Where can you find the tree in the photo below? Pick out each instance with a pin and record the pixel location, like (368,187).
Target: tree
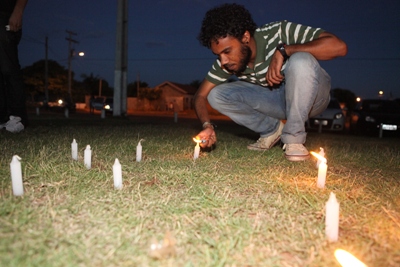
(133,88)
(345,96)
(94,85)
(34,76)
(196,84)
(150,93)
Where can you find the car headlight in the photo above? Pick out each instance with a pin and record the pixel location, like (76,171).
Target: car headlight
(338,115)
(107,107)
(369,119)
(60,101)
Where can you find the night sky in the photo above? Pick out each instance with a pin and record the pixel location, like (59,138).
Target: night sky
(163,44)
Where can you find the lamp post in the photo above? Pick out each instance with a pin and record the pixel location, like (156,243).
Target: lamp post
(70,55)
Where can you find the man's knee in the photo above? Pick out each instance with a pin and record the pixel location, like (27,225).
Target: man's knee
(217,96)
(301,62)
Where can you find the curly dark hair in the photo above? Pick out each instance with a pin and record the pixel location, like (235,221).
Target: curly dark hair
(227,19)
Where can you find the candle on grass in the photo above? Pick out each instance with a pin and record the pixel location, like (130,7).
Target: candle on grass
(322,169)
(197,147)
(88,157)
(322,154)
(139,151)
(346,259)
(74,150)
(16,176)
(117,173)
(332,218)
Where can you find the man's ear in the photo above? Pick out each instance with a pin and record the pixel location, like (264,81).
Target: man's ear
(246,37)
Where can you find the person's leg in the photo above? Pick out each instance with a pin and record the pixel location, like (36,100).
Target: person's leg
(3,106)
(253,106)
(12,76)
(307,93)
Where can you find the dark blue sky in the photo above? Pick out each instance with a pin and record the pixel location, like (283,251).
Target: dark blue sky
(163,44)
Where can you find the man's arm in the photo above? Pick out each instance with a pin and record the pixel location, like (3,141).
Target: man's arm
(200,106)
(200,101)
(15,20)
(326,46)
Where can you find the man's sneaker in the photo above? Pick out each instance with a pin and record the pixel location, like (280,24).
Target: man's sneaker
(14,125)
(296,152)
(265,143)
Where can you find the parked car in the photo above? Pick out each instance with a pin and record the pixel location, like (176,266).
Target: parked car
(332,119)
(109,104)
(60,104)
(98,103)
(371,115)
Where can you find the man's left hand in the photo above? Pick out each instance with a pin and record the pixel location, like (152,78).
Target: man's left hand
(274,75)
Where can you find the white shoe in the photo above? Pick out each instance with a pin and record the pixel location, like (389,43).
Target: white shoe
(296,152)
(14,125)
(265,143)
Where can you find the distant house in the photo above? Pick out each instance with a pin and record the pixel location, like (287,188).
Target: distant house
(175,96)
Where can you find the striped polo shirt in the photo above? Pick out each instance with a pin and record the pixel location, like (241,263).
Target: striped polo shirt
(267,38)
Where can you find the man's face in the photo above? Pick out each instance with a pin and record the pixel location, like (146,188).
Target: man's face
(233,54)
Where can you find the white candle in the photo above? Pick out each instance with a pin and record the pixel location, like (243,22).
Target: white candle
(322,174)
(196,151)
(74,148)
(346,259)
(88,157)
(332,218)
(322,154)
(322,169)
(139,151)
(117,172)
(16,176)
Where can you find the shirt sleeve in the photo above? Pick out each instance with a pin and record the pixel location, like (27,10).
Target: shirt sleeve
(292,33)
(217,74)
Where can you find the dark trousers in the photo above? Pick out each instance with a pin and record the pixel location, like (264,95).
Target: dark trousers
(12,95)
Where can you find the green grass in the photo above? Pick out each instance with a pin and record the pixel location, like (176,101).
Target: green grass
(230,207)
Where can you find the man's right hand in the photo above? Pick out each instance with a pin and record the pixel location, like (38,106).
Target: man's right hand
(208,134)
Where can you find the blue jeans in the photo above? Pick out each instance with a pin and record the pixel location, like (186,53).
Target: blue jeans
(304,93)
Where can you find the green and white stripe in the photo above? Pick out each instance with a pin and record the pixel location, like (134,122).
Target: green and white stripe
(267,38)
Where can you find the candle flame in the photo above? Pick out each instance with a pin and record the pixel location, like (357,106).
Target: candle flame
(346,259)
(318,156)
(197,139)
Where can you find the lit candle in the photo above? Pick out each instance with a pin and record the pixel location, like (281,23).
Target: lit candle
(117,172)
(74,148)
(346,259)
(332,218)
(139,151)
(322,169)
(88,157)
(196,148)
(322,154)
(16,176)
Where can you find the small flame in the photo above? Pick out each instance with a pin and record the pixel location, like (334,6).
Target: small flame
(346,259)
(318,156)
(197,139)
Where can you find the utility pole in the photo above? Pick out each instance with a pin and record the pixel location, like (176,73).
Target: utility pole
(70,55)
(46,72)
(121,60)
(138,85)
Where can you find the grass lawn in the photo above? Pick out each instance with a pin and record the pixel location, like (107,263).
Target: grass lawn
(230,207)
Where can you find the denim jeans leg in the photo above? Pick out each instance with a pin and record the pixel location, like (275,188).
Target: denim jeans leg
(250,105)
(307,93)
